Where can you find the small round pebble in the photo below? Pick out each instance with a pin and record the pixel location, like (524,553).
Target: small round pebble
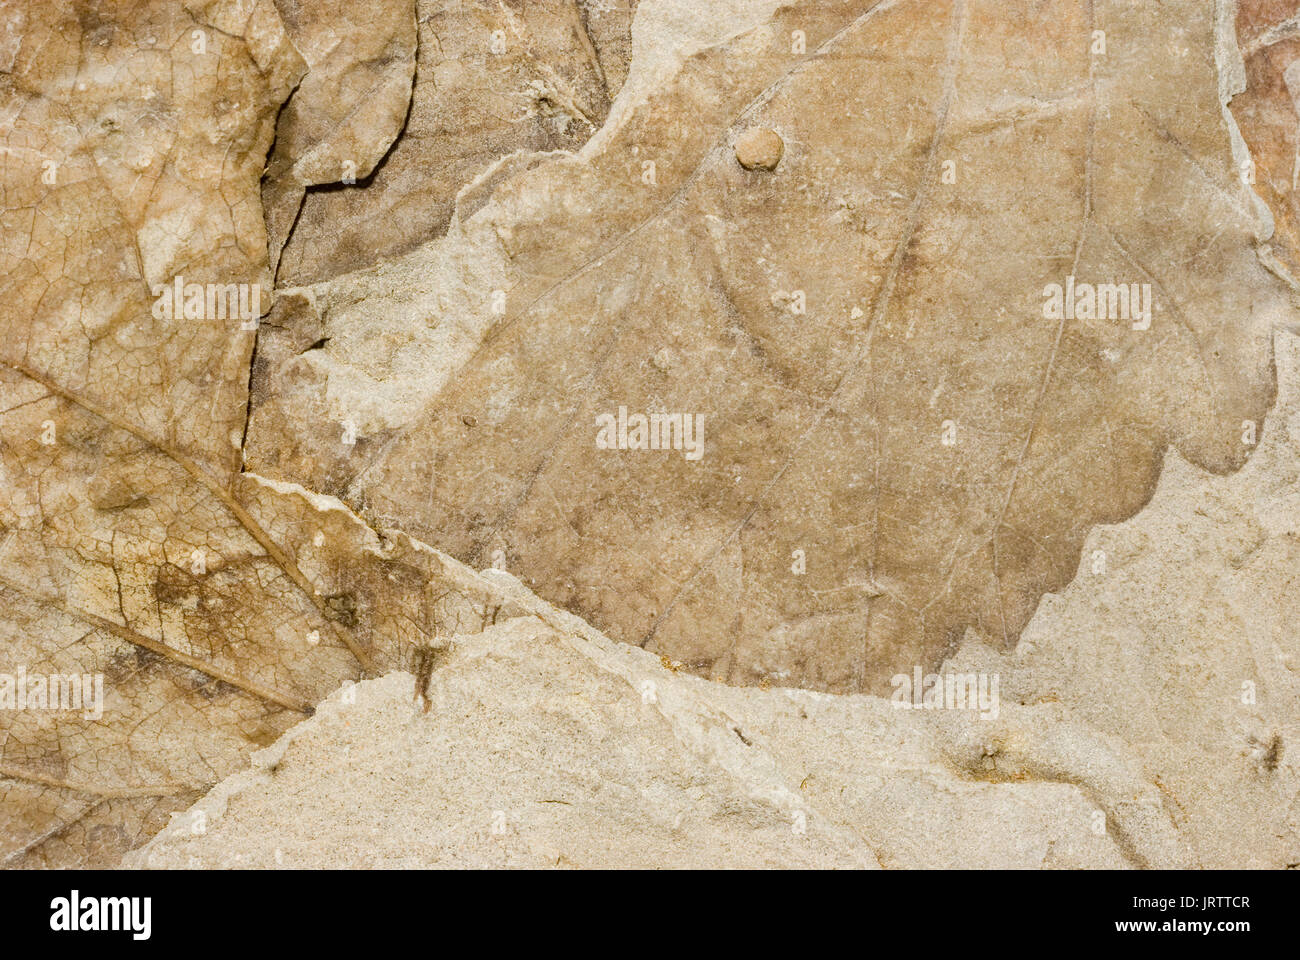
(759,148)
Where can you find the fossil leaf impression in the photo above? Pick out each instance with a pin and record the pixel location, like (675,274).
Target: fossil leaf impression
(1005,259)
(162,612)
(795,352)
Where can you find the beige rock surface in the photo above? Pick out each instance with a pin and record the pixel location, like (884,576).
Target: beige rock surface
(134,137)
(349,107)
(902,438)
(1134,730)
(490,78)
(260,425)
(549,750)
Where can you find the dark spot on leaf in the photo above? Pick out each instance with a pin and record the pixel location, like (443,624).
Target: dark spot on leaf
(342,608)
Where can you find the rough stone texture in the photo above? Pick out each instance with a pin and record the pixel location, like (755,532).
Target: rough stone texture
(862,331)
(1177,638)
(543,749)
(134,136)
(348,109)
(1268,33)
(219,607)
(906,463)
(547,745)
(490,78)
